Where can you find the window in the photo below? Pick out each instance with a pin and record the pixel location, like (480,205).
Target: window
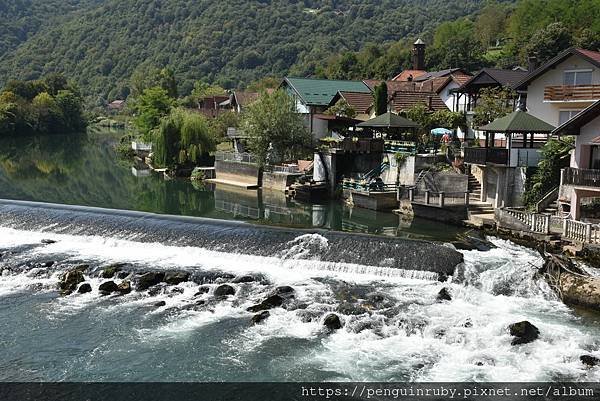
(566,115)
(581,77)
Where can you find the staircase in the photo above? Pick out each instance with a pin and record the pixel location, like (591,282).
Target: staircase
(480,213)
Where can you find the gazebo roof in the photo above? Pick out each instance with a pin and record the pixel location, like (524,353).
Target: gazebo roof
(389,120)
(518,121)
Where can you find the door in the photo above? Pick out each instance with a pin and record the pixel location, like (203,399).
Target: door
(595,157)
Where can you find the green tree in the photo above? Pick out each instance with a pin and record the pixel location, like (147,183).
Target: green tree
(455,45)
(218,126)
(168,82)
(152,105)
(48,115)
(491,24)
(492,104)
(555,155)
(275,131)
(71,107)
(380,99)
(203,89)
(341,108)
(548,42)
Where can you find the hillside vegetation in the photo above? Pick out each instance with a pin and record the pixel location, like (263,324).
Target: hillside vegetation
(101,43)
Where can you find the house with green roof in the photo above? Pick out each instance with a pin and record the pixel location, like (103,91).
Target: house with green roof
(313,96)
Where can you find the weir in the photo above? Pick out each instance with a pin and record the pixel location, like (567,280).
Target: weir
(231,237)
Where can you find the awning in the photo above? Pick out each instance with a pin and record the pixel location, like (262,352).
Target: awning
(518,121)
(441,131)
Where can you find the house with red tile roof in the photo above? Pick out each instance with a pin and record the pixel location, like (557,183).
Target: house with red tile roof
(562,87)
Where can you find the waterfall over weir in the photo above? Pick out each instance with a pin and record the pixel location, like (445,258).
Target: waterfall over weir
(335,251)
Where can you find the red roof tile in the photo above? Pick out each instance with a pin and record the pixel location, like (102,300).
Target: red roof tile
(360,102)
(406,74)
(402,100)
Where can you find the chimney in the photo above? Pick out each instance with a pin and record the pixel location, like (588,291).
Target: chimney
(418,55)
(532,63)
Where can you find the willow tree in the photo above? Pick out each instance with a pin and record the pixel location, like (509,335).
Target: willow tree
(276,132)
(182,137)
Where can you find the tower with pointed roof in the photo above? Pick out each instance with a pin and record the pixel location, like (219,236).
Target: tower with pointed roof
(418,55)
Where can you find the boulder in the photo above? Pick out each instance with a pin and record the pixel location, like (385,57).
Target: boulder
(260,317)
(147,280)
(48,241)
(108,287)
(124,287)
(589,360)
(69,280)
(332,322)
(444,295)
(122,275)
(270,302)
(84,288)
(204,277)
(284,291)
(160,303)
(524,332)
(243,279)
(110,271)
(223,290)
(175,278)
(203,289)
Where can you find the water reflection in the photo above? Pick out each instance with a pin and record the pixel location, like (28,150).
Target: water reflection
(85,170)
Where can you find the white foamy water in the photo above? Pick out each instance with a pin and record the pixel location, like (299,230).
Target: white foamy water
(409,336)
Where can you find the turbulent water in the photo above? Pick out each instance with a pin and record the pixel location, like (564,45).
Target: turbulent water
(394,329)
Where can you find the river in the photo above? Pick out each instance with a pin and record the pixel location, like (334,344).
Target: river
(381,286)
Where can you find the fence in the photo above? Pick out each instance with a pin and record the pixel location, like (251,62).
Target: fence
(282,169)
(235,157)
(368,187)
(546,224)
(433,198)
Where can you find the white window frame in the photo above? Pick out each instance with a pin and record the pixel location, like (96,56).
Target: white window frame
(590,70)
(573,113)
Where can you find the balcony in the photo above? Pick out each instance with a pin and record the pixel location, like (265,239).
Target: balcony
(581,177)
(571,93)
(484,156)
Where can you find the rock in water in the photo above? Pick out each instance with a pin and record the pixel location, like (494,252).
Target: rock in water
(84,288)
(48,241)
(175,278)
(108,287)
(270,302)
(284,291)
(589,360)
(260,317)
(444,295)
(524,332)
(224,290)
(124,287)
(109,272)
(147,280)
(160,303)
(332,322)
(243,279)
(69,281)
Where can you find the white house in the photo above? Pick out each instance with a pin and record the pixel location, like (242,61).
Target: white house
(563,86)
(580,183)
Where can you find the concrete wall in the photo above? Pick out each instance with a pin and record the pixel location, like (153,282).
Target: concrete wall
(503,186)
(278,181)
(581,157)
(449,214)
(243,173)
(375,201)
(549,112)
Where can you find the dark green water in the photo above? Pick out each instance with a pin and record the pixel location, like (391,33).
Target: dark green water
(86,170)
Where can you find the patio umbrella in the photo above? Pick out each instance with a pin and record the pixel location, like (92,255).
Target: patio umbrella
(441,131)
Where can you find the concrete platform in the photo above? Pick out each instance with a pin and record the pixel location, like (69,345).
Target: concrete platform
(238,184)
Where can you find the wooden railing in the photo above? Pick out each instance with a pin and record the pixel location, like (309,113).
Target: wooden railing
(486,155)
(571,92)
(357,145)
(581,177)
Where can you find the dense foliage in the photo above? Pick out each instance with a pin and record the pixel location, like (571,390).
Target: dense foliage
(47,106)
(103,43)
(544,178)
(380,99)
(276,133)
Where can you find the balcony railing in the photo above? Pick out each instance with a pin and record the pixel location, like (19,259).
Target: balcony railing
(356,145)
(486,155)
(581,177)
(571,93)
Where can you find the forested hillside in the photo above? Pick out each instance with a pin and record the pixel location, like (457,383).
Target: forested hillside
(21,19)
(231,43)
